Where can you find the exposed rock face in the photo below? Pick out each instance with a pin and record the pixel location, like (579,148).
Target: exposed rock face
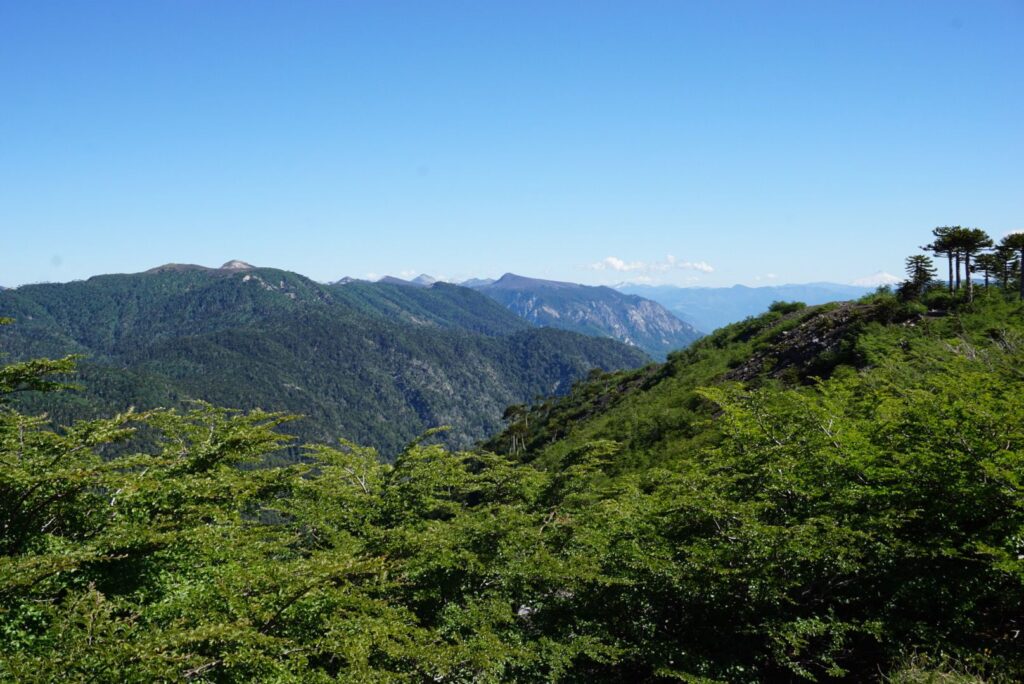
(597,311)
(236,265)
(811,345)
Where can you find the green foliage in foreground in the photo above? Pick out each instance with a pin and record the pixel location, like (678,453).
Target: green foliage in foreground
(863,524)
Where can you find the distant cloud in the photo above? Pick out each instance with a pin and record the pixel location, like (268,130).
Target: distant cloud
(670,263)
(766,276)
(877,279)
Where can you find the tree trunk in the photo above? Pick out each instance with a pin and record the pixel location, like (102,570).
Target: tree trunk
(949,257)
(1021,274)
(986,279)
(958,271)
(967,275)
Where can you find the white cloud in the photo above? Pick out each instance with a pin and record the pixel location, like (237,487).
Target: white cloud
(670,263)
(616,264)
(766,276)
(876,279)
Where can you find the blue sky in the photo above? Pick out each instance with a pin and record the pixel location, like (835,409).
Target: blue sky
(682,142)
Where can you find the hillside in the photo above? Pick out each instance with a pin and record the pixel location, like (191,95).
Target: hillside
(819,493)
(826,493)
(597,311)
(710,308)
(376,363)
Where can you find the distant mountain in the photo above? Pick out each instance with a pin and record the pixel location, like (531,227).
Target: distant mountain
(876,279)
(392,280)
(597,311)
(233,265)
(477,282)
(710,308)
(377,363)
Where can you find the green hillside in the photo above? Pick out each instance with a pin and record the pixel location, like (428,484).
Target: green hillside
(830,493)
(375,363)
(826,493)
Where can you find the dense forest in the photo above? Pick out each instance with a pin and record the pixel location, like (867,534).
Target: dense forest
(375,362)
(819,493)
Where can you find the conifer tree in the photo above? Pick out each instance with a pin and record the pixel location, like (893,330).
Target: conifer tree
(968,242)
(920,272)
(1007,265)
(1015,242)
(942,245)
(989,264)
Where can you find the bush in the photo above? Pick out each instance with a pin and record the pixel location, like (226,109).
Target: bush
(786,307)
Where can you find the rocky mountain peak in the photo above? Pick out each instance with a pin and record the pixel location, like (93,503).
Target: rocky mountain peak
(236,265)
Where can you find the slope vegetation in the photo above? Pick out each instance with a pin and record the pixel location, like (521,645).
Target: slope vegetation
(375,363)
(817,494)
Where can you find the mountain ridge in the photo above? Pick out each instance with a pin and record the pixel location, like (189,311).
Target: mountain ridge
(373,362)
(593,310)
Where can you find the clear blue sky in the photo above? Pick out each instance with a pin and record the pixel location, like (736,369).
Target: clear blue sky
(800,140)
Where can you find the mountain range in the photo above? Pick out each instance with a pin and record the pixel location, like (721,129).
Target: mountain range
(710,308)
(585,309)
(599,311)
(377,363)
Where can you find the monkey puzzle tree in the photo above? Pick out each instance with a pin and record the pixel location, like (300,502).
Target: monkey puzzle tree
(920,272)
(968,242)
(1007,270)
(941,246)
(1015,242)
(990,264)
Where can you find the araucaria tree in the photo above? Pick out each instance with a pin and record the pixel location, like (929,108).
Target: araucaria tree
(1007,265)
(942,245)
(920,273)
(990,264)
(968,242)
(1015,242)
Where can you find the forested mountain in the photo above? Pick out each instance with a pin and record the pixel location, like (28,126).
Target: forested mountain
(826,493)
(709,308)
(598,311)
(372,362)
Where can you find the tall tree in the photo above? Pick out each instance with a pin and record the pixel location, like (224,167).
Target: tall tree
(1015,242)
(990,264)
(941,246)
(920,272)
(1007,259)
(968,242)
